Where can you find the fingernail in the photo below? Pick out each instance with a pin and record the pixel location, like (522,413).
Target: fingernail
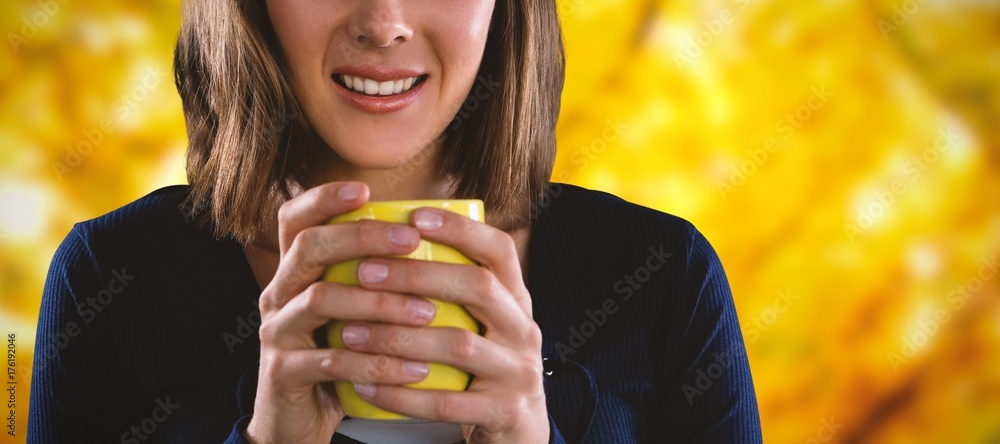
(417,369)
(355,334)
(350,191)
(427,220)
(421,309)
(364,390)
(402,235)
(372,272)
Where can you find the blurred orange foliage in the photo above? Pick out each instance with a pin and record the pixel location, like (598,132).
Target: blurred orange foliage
(842,157)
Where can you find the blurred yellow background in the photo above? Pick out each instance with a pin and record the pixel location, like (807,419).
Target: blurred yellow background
(842,157)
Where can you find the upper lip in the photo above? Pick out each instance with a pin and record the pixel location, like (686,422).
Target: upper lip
(378,73)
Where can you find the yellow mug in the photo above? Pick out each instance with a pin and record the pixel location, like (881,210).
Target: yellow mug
(441,376)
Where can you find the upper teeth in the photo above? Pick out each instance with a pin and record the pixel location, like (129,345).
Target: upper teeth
(372,87)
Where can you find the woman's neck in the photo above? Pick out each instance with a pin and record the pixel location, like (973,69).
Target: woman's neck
(417,178)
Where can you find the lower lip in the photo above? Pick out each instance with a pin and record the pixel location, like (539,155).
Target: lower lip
(379,104)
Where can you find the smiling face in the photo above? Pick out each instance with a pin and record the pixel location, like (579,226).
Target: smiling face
(380,80)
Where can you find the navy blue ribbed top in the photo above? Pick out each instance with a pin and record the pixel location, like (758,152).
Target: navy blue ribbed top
(147,330)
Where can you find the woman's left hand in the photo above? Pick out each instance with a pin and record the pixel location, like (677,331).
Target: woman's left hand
(506,400)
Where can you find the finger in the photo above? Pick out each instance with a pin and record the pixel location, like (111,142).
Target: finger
(459,348)
(294,369)
(316,248)
(324,301)
(487,245)
(315,206)
(475,288)
(438,405)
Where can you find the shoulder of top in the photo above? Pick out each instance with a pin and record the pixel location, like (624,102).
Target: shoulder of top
(160,211)
(612,221)
(604,207)
(594,214)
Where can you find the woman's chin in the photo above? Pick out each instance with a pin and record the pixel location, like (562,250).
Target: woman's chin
(382,149)
(382,158)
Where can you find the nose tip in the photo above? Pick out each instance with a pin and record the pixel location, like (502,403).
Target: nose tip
(384,38)
(382,27)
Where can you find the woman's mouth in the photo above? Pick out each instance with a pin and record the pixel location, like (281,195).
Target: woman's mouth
(376,97)
(374,88)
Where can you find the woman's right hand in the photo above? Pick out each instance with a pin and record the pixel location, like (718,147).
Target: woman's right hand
(294,401)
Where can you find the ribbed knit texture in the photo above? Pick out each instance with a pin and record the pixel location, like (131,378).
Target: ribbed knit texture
(147,329)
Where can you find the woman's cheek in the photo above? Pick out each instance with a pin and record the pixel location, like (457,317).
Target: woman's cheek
(465,21)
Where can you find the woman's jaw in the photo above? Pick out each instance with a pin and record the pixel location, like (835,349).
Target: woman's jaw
(415,177)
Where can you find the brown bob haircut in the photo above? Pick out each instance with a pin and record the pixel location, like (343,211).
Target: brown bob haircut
(245,126)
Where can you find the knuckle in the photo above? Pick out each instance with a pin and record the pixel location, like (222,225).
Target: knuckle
(507,242)
(485,284)
(533,336)
(305,239)
(392,340)
(370,234)
(327,192)
(452,290)
(285,212)
(275,368)
(502,415)
(311,299)
(376,369)
(270,367)
(464,345)
(404,338)
(385,369)
(383,304)
(331,363)
(406,271)
(446,407)
(267,302)
(466,230)
(267,332)
(530,373)
(389,402)
(311,246)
